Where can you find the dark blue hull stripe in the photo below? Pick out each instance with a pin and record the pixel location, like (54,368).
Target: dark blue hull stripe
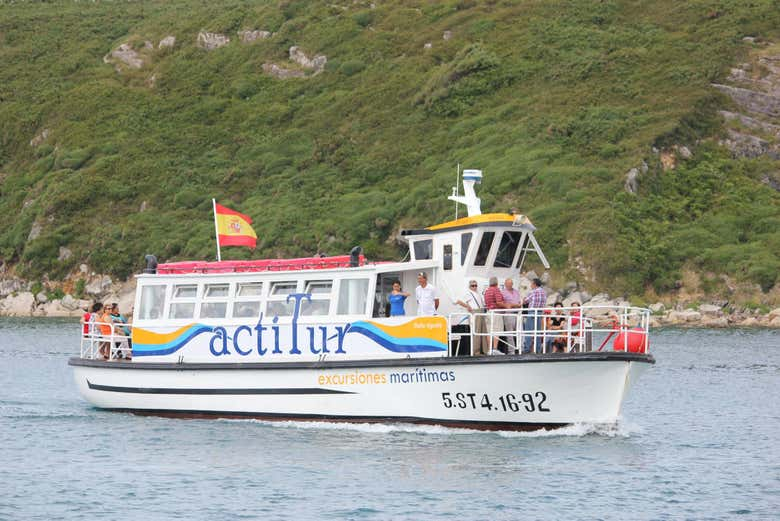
(176,390)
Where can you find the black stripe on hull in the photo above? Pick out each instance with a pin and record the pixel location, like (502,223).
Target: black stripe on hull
(267,416)
(174,390)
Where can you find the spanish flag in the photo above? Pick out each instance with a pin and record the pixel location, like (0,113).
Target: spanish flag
(233,228)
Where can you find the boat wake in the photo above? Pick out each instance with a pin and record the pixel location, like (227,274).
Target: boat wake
(612,430)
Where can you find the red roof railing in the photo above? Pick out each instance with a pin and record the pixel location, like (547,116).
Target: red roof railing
(251,266)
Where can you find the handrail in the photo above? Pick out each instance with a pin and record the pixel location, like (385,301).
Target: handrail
(114,346)
(582,327)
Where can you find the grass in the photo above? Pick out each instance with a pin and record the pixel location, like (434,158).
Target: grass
(555,101)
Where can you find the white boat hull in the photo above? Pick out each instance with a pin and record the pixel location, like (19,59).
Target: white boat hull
(506,393)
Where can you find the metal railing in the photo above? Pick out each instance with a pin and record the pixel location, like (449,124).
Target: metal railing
(550,329)
(95,344)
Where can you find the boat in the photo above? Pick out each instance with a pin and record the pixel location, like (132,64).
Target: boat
(311,339)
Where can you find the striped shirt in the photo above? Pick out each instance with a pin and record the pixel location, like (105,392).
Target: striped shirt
(493,297)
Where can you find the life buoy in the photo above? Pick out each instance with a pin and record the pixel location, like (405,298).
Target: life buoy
(634,339)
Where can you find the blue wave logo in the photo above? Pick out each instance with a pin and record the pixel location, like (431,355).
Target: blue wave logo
(173,345)
(394,344)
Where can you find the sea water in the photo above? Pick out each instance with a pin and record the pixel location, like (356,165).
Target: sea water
(698,440)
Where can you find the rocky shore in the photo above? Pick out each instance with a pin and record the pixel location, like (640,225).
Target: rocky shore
(17,299)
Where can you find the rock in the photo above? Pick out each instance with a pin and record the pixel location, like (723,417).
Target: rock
(10,286)
(41,297)
(251,36)
(523,285)
(545,278)
(167,42)
(552,298)
(65,254)
(142,208)
(428,46)
(749,322)
(668,161)
(447,35)
(774,313)
(99,285)
(571,286)
(278,72)
(687,315)
(752,100)
(71,304)
(574,296)
(751,123)
(317,62)
(632,181)
(715,322)
(709,309)
(126,55)
(658,307)
(35,232)
(20,305)
(749,39)
(40,138)
(744,145)
(83,268)
(211,41)
(684,152)
(775,322)
(531,275)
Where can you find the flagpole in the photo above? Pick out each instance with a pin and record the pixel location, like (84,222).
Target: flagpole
(216,228)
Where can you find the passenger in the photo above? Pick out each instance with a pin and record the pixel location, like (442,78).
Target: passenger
(105,326)
(472,300)
(125,345)
(397,299)
(556,322)
(494,300)
(574,325)
(85,318)
(512,301)
(533,321)
(427,296)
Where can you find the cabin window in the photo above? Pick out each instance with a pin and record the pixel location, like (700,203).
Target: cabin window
(185,291)
(216,290)
(183,301)
(250,289)
(447,257)
(278,304)
(152,300)
(319,302)
(353,294)
(214,303)
(523,252)
(507,249)
(484,248)
(247,302)
(423,249)
(465,242)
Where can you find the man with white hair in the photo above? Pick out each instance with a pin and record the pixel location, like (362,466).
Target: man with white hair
(427,296)
(512,300)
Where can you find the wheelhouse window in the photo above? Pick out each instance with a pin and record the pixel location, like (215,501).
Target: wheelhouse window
(484,248)
(320,296)
(278,305)
(507,249)
(353,295)
(183,301)
(423,250)
(465,242)
(248,298)
(152,301)
(447,257)
(214,303)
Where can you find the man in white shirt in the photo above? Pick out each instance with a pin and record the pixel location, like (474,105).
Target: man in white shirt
(427,296)
(474,302)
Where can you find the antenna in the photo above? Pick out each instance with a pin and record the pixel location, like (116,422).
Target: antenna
(469,198)
(455,192)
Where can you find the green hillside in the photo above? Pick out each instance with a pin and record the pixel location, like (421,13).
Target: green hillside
(555,101)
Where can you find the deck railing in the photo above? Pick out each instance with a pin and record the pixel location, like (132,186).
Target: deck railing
(114,346)
(578,329)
